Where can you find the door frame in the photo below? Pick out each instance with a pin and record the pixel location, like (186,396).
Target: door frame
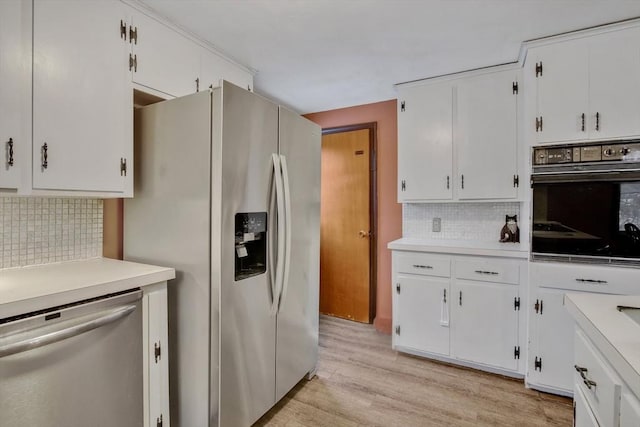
(373,205)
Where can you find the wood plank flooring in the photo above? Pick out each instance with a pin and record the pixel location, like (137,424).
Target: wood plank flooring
(361,381)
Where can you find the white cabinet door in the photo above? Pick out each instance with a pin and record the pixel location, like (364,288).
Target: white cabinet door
(582,414)
(486,136)
(629,410)
(562,90)
(425,143)
(485,323)
(614,84)
(82,98)
(157,378)
(12,94)
(551,341)
(166,61)
(214,68)
(422,314)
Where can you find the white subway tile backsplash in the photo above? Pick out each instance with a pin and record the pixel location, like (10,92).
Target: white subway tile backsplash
(459,221)
(38,230)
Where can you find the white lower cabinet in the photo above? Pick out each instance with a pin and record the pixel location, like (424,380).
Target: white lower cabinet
(629,410)
(423,314)
(461,309)
(156,356)
(582,415)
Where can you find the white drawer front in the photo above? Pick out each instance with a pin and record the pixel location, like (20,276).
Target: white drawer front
(488,271)
(586,278)
(424,264)
(595,378)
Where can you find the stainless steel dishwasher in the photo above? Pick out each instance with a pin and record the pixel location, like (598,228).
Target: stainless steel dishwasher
(78,365)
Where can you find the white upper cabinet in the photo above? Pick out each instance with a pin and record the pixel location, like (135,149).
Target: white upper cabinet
(214,68)
(486,136)
(12,95)
(425,142)
(587,88)
(162,59)
(82,98)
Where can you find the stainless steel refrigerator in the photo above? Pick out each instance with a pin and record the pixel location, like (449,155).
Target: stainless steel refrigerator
(227,191)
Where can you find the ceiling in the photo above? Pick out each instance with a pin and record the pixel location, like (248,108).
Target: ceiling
(317,55)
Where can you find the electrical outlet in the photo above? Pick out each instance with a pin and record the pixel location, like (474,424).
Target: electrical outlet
(437,225)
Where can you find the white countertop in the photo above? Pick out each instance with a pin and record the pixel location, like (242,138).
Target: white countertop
(462,247)
(27,289)
(614,333)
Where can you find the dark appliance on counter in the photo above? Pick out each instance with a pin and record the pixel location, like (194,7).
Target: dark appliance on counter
(586,203)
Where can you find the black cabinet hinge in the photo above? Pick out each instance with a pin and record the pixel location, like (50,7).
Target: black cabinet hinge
(123,30)
(402,105)
(516,352)
(123,166)
(537,364)
(159,421)
(197,84)
(133,35)
(539,124)
(398,288)
(516,181)
(157,351)
(516,303)
(515,88)
(403,185)
(398,330)
(538,69)
(10,152)
(133,63)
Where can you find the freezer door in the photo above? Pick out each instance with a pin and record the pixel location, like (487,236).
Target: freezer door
(245,138)
(297,319)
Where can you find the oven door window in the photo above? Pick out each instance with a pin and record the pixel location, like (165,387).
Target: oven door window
(587,218)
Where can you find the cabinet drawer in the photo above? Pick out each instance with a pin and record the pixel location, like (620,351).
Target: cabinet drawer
(488,271)
(597,381)
(585,278)
(424,264)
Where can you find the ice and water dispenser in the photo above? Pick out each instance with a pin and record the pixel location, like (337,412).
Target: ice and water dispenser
(251,244)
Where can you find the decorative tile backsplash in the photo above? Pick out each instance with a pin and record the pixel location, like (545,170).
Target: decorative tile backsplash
(459,221)
(38,230)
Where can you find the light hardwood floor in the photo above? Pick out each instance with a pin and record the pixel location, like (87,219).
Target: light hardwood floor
(361,381)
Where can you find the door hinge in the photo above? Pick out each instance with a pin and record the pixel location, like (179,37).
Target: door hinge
(538,306)
(159,421)
(515,88)
(537,364)
(516,303)
(123,30)
(539,124)
(398,330)
(157,351)
(516,352)
(516,181)
(403,185)
(402,105)
(133,34)
(398,287)
(133,63)
(123,166)
(538,69)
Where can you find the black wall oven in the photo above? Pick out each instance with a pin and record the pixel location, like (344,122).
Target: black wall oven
(586,203)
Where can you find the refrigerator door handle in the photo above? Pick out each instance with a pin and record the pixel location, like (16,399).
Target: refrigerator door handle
(287,223)
(276,285)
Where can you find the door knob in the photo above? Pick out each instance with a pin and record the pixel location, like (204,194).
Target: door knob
(363,233)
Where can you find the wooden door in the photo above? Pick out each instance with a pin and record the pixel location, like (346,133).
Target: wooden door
(345,225)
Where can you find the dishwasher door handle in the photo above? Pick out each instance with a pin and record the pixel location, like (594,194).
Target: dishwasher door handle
(82,325)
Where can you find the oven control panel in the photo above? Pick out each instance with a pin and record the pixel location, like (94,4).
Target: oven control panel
(587,153)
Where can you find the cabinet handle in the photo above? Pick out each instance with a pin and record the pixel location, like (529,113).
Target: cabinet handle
(447,182)
(583,118)
(10,150)
(45,156)
(462,181)
(428,267)
(589,383)
(460,300)
(198,84)
(580,370)
(444,297)
(601,282)
(493,273)
(598,121)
